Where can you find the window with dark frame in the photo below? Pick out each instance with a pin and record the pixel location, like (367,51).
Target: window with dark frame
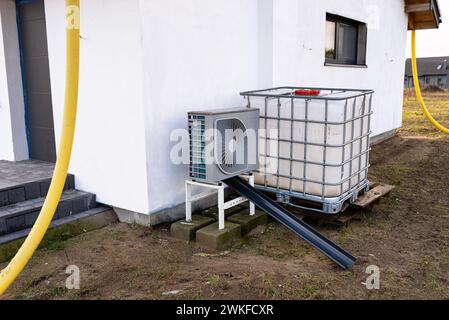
(345,41)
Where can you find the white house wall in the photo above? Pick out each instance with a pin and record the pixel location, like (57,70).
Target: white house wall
(146,63)
(109,155)
(200,54)
(197,55)
(299,40)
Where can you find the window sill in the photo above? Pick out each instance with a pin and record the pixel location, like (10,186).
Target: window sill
(329,64)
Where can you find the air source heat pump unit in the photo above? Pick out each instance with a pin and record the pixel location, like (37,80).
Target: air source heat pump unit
(223,143)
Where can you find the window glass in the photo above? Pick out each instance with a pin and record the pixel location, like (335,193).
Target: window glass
(345,41)
(348,43)
(330,39)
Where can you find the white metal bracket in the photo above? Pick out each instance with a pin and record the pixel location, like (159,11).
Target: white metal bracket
(222,206)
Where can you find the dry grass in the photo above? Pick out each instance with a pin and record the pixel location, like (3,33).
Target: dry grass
(416,123)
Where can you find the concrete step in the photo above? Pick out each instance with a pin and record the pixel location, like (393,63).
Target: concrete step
(23,190)
(22,215)
(60,230)
(98,217)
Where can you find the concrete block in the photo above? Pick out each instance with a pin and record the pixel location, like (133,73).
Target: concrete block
(79,205)
(16,195)
(55,216)
(187,230)
(71,179)
(64,209)
(91,201)
(215,239)
(15,223)
(4,198)
(32,191)
(69,182)
(30,218)
(247,222)
(3,228)
(213,212)
(71,226)
(44,185)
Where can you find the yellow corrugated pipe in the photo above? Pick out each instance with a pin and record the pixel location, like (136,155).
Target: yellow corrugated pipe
(18,263)
(418,89)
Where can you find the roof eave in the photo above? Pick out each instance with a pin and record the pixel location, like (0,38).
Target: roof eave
(423,14)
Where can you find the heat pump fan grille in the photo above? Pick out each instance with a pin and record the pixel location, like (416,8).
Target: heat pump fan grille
(230,145)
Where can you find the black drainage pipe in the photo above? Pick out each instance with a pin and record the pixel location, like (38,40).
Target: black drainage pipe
(302,229)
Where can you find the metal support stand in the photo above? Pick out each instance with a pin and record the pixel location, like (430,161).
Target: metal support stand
(222,206)
(252,206)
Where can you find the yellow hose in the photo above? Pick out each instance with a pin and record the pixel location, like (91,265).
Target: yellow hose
(418,89)
(18,263)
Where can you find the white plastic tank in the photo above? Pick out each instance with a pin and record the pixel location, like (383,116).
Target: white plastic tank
(313,145)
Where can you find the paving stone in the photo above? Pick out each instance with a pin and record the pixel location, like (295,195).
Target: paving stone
(15,223)
(91,201)
(31,218)
(55,216)
(3,228)
(4,198)
(16,195)
(65,209)
(215,239)
(32,190)
(69,182)
(187,230)
(22,172)
(79,205)
(29,209)
(44,185)
(23,186)
(30,174)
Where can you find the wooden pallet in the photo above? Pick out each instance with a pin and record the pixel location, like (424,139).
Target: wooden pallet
(364,203)
(372,196)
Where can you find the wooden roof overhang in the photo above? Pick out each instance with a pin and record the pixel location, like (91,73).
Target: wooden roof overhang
(423,14)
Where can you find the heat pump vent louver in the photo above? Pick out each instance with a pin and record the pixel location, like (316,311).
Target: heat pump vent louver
(197,147)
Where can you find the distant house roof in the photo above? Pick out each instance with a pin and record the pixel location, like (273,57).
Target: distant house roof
(434,66)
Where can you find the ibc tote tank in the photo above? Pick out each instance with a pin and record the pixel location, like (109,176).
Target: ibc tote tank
(314,148)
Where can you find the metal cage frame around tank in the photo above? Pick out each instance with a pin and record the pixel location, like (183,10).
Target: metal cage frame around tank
(328,205)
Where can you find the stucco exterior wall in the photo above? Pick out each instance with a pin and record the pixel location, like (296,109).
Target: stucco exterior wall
(299,40)
(279,42)
(109,154)
(197,55)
